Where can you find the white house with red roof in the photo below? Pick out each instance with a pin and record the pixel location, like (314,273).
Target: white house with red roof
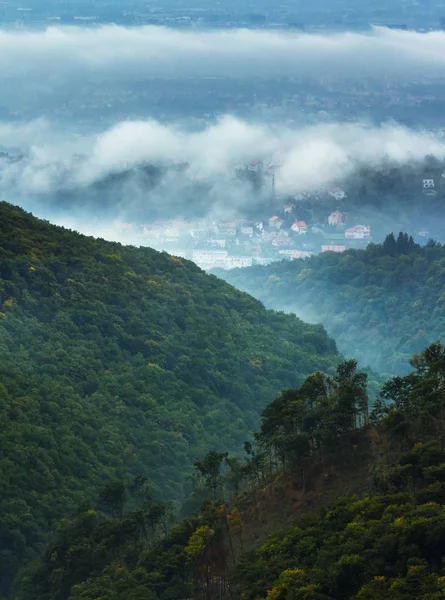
(299,227)
(336,218)
(276,222)
(359,232)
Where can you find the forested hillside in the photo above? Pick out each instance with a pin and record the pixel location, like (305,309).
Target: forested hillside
(386,543)
(117,361)
(381,304)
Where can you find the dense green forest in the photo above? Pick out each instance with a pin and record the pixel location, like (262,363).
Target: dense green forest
(388,543)
(121,362)
(381,304)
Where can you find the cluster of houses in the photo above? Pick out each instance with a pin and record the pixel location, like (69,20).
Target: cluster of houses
(303,225)
(242,243)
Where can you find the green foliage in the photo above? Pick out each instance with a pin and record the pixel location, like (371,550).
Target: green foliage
(117,361)
(388,543)
(198,542)
(97,556)
(381,305)
(210,469)
(382,546)
(316,418)
(98,546)
(415,401)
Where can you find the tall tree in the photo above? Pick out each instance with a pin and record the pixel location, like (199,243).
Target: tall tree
(210,469)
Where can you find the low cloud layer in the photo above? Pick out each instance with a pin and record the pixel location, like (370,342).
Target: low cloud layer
(191,173)
(161,52)
(147,170)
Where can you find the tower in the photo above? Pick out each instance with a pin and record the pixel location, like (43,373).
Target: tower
(273,195)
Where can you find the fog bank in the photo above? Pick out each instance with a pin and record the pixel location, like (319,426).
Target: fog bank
(161,52)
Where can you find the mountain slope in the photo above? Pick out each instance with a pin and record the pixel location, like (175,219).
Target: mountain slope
(117,360)
(382,539)
(381,304)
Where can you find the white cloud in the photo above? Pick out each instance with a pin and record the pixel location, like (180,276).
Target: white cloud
(308,157)
(158,51)
(57,161)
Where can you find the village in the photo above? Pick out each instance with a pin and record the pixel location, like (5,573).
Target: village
(322,220)
(291,233)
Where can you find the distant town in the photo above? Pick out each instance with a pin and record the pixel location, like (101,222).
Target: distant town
(324,219)
(242,243)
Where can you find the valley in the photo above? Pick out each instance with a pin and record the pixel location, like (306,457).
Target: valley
(222,306)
